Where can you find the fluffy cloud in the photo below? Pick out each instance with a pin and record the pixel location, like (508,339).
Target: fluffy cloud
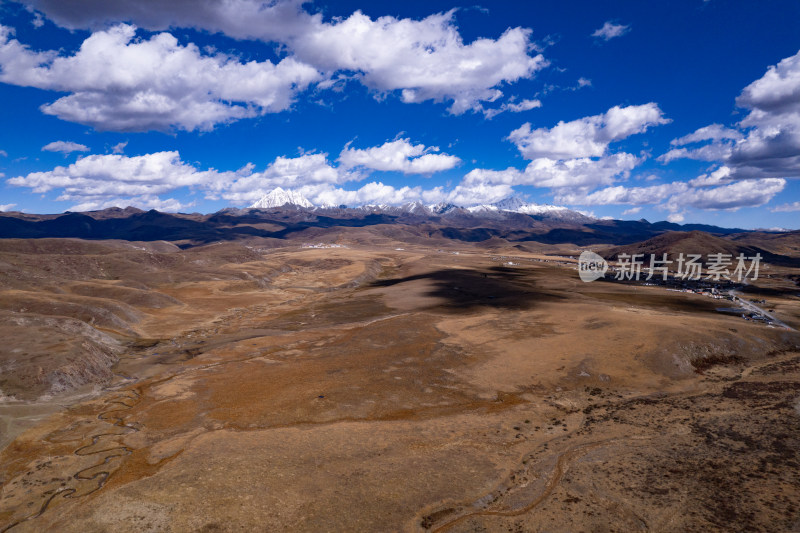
(588,136)
(709,152)
(7,207)
(100,181)
(579,174)
(714,132)
(478,193)
(421,59)
(743,193)
(722,142)
(720,176)
(398,155)
(118,83)
(573,157)
(373,193)
(625,195)
(678,196)
(768,144)
(611,30)
(424,60)
(95,179)
(305,173)
(168,205)
(65,147)
(776,93)
(479,176)
(3,153)
(241,19)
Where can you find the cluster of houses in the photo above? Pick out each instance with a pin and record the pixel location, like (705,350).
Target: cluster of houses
(323,245)
(718,290)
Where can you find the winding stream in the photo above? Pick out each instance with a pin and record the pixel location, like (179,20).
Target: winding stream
(132,397)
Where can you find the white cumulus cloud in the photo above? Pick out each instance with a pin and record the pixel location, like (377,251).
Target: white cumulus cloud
(421,60)
(766,143)
(620,194)
(678,196)
(722,142)
(95,179)
(743,193)
(398,155)
(580,174)
(713,132)
(169,205)
(306,173)
(478,193)
(116,82)
(588,136)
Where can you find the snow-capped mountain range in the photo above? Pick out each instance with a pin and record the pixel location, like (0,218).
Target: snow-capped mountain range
(282,198)
(279,197)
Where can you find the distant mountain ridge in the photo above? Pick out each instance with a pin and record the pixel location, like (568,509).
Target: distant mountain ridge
(285,215)
(280,197)
(414,222)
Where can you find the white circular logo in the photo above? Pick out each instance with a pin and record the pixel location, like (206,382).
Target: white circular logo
(591,266)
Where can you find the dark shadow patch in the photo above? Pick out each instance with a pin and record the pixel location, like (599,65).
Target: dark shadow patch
(498,287)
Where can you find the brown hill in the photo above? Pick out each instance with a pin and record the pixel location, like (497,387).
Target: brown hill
(787,243)
(674,243)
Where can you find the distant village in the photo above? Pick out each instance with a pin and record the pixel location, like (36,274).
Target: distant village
(723,289)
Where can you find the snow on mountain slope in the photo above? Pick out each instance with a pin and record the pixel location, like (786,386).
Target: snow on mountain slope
(279,197)
(517,205)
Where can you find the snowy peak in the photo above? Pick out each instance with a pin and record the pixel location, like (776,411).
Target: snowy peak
(414,208)
(441,208)
(279,197)
(512,203)
(516,205)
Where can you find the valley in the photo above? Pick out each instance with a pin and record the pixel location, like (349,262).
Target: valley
(374,384)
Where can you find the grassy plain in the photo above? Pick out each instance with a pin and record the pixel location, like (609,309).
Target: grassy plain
(368,388)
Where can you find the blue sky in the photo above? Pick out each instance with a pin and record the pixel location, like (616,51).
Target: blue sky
(682,110)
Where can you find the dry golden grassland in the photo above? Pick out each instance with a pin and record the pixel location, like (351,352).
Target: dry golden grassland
(366,388)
